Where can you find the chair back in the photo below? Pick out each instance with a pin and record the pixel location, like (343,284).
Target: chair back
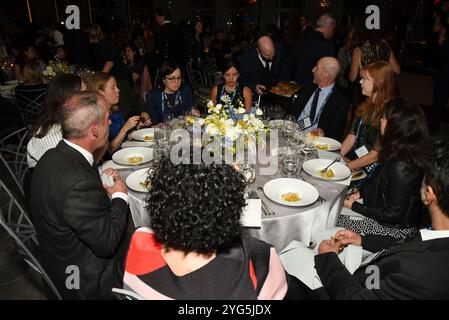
(15,221)
(30,103)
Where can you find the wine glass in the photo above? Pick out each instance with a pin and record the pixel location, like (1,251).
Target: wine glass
(168,118)
(290,165)
(249,173)
(308,147)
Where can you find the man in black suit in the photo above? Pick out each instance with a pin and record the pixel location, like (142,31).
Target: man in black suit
(310,47)
(261,67)
(321,107)
(169,40)
(415,270)
(78,226)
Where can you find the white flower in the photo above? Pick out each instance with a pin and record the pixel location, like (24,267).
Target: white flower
(259,112)
(241,111)
(219,106)
(210,104)
(246,117)
(212,130)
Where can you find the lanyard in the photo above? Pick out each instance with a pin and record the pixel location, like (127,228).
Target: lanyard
(318,116)
(232,96)
(165,99)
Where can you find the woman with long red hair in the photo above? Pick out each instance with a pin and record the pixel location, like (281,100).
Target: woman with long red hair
(362,145)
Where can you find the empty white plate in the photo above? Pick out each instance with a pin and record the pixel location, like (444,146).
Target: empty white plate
(144,134)
(137,179)
(276,189)
(313,167)
(326,144)
(133,156)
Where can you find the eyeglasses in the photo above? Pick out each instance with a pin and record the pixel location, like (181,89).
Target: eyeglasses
(173,78)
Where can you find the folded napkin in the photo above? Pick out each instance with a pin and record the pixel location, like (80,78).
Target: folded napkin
(299,259)
(251,214)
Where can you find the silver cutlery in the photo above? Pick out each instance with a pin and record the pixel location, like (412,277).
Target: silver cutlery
(337,159)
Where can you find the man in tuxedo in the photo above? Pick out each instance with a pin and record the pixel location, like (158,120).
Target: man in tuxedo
(79,221)
(414,270)
(309,48)
(321,107)
(261,67)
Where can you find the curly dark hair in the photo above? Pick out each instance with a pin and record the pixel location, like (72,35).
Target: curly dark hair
(196,207)
(437,175)
(406,136)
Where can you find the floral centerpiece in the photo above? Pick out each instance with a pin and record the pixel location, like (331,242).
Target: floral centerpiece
(231,125)
(53,68)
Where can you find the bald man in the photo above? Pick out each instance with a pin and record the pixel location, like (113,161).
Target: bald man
(320,106)
(261,67)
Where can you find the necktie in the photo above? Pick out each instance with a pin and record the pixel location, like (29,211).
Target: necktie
(267,66)
(314,105)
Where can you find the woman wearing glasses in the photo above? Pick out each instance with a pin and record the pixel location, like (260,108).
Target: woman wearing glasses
(170,96)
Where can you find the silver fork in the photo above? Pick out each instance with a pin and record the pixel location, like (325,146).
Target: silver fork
(264,205)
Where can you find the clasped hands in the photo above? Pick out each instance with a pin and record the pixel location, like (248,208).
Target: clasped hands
(338,242)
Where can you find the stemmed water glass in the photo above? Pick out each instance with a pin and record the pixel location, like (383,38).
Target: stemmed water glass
(249,173)
(290,164)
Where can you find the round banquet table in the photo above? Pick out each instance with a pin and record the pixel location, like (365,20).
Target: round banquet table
(286,225)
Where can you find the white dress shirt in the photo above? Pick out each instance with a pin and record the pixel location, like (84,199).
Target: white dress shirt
(90,158)
(324,93)
(37,147)
(428,235)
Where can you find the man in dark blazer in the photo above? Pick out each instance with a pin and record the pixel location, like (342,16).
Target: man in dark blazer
(309,48)
(331,107)
(415,270)
(261,67)
(78,226)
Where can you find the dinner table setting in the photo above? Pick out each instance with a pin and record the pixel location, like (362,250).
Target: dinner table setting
(293,202)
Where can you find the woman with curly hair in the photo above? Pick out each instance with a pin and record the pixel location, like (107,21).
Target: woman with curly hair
(195,248)
(391,198)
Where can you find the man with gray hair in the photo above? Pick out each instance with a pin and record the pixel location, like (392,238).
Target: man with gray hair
(309,48)
(320,107)
(79,221)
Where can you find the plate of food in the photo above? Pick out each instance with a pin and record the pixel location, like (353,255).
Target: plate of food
(326,144)
(358,175)
(144,134)
(285,89)
(133,156)
(335,172)
(291,192)
(139,180)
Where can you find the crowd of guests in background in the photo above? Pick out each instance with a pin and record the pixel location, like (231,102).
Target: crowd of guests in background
(143,78)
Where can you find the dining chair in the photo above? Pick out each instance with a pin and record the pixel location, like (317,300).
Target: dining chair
(30,104)
(15,221)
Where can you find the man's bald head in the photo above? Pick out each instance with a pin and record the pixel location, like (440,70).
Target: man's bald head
(326,71)
(266,48)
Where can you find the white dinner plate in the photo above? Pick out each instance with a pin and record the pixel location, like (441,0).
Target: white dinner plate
(358,175)
(134,180)
(276,188)
(326,144)
(313,167)
(144,134)
(124,156)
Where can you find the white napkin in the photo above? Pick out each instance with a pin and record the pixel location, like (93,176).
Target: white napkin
(251,214)
(299,260)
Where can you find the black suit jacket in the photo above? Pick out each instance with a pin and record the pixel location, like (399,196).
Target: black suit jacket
(76,222)
(253,71)
(334,115)
(310,47)
(415,270)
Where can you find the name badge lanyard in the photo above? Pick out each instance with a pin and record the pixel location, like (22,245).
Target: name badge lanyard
(318,116)
(232,96)
(165,99)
